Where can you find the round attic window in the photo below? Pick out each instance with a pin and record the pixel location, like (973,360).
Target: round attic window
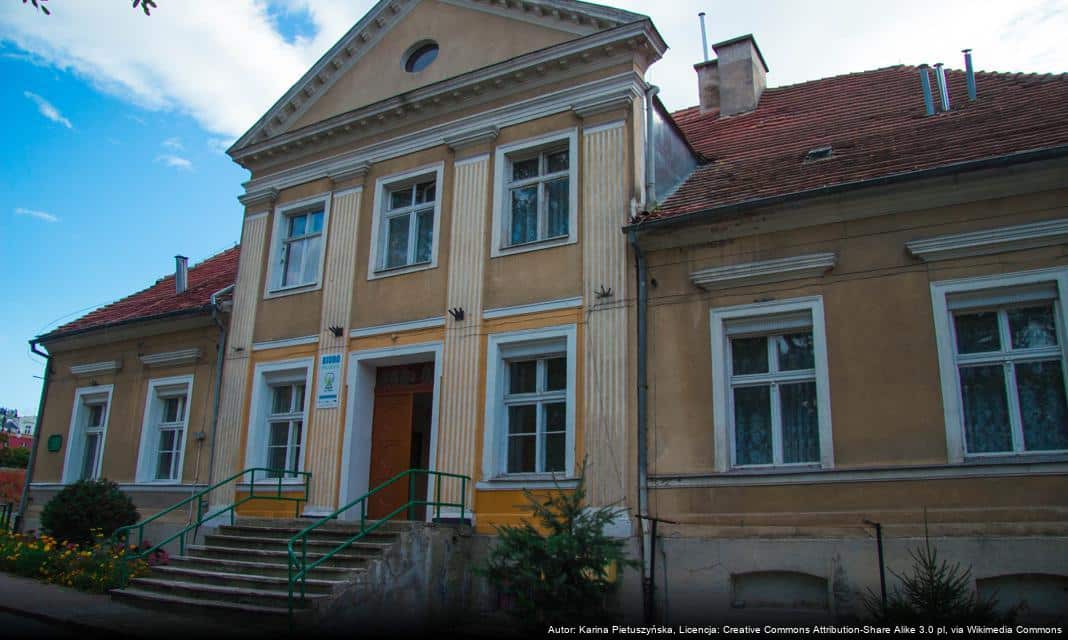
(420,56)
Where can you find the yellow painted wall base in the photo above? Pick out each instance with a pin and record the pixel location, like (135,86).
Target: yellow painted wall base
(270,507)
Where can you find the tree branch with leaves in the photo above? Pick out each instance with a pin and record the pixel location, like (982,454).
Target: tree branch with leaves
(146,5)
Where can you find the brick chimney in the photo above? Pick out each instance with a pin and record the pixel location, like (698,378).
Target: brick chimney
(735,80)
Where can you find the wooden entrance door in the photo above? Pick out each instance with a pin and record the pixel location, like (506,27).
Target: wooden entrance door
(391,433)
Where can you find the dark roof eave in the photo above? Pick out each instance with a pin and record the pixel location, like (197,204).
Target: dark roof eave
(48,337)
(933,172)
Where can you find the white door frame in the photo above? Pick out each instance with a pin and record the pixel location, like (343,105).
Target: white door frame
(359,414)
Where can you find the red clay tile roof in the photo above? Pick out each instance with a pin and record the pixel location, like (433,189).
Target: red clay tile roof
(211,275)
(876,125)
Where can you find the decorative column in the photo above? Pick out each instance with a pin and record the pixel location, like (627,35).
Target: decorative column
(236,365)
(459,409)
(327,426)
(604,260)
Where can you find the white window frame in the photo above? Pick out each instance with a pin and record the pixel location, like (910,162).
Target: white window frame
(981,290)
(264,376)
(73,458)
(758,318)
(376,264)
(524,345)
(288,418)
(502,203)
(275,266)
(159,390)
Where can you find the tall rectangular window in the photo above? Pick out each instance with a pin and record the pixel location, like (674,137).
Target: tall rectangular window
(1010,367)
(171,436)
(285,425)
(163,429)
(539,197)
(771,393)
(405,226)
(95,415)
(535,400)
(302,248)
(409,225)
(1003,362)
(535,193)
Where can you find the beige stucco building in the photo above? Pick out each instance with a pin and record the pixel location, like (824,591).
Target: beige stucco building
(848,309)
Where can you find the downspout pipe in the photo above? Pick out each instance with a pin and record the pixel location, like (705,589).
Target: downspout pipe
(220,352)
(650,148)
(641,269)
(19,518)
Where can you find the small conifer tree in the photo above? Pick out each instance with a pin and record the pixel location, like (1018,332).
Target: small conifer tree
(936,591)
(556,569)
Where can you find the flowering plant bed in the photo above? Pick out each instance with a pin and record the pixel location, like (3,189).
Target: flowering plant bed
(95,567)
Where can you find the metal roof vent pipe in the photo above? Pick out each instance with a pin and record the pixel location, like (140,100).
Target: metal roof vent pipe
(969,72)
(925,84)
(704,35)
(181,274)
(943,88)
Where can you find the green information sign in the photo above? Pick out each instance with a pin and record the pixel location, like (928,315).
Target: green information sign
(55,443)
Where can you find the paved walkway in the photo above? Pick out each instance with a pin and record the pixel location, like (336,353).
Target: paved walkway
(64,610)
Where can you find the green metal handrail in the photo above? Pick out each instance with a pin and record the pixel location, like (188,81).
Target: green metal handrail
(276,476)
(5,516)
(298,570)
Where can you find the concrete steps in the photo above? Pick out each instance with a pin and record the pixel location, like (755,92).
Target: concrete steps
(242,570)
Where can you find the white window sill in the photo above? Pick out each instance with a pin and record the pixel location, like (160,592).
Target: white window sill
(526,481)
(399,271)
(292,290)
(533,246)
(770,470)
(1024,457)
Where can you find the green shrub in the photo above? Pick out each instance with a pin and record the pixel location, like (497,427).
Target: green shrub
(88,505)
(557,570)
(937,592)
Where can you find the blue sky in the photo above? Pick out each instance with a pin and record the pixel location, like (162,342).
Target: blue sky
(114,124)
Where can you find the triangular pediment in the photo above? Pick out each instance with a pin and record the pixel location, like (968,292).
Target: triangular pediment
(367,64)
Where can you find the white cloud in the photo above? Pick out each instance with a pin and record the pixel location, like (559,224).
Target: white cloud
(175,162)
(220,144)
(174,144)
(39,215)
(48,110)
(223,63)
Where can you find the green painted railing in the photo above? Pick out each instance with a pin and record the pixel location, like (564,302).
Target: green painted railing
(271,478)
(298,562)
(5,515)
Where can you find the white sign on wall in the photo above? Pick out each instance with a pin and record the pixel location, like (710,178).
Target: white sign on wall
(326,392)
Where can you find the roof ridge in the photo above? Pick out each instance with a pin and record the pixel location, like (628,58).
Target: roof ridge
(979,73)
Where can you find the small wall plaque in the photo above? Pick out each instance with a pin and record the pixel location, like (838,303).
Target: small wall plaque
(55,443)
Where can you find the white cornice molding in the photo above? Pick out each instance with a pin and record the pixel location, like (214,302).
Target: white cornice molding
(284,342)
(988,241)
(264,197)
(599,105)
(628,83)
(479,136)
(546,65)
(88,369)
(736,275)
(566,16)
(397,327)
(171,358)
(537,307)
(358,171)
